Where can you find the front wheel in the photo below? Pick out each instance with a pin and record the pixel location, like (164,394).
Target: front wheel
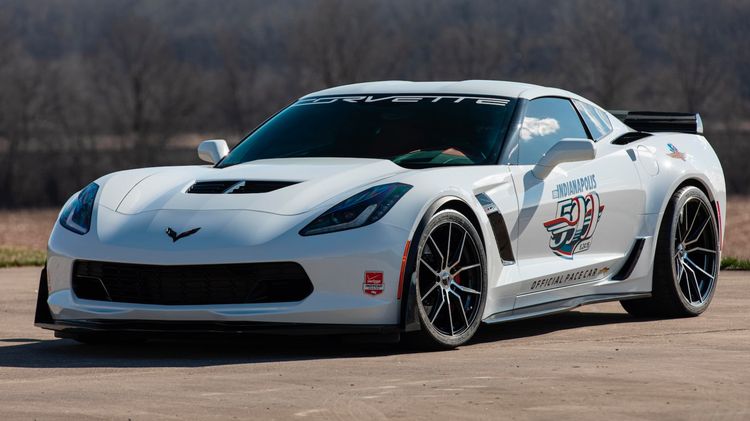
(686,264)
(451,280)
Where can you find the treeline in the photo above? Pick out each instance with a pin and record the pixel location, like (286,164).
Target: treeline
(89,86)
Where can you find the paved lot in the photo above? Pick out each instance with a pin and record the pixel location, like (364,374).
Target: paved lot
(595,363)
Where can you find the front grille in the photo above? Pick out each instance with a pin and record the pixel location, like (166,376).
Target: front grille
(237,186)
(191,284)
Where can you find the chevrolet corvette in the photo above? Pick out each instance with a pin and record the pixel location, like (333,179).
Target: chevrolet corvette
(417,209)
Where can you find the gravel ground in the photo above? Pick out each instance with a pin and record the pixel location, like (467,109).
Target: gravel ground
(590,364)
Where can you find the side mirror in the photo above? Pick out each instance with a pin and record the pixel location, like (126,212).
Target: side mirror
(566,150)
(213,150)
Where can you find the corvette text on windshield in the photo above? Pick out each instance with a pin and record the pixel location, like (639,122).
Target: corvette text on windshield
(403,98)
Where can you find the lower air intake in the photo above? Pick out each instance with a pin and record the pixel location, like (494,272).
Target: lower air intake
(191,284)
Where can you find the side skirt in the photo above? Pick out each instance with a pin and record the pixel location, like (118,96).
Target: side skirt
(559,306)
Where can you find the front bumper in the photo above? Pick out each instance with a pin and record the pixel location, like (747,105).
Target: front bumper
(335,264)
(161,329)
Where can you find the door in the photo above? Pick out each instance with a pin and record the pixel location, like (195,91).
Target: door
(577,225)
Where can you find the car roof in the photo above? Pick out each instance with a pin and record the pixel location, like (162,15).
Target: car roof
(465,87)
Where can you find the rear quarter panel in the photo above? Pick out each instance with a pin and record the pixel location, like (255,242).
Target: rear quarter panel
(668,160)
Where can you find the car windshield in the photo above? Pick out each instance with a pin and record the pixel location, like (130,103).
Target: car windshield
(413,131)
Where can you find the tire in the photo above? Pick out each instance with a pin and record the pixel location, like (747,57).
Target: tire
(686,262)
(451,294)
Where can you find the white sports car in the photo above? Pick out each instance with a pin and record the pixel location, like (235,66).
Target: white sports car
(417,208)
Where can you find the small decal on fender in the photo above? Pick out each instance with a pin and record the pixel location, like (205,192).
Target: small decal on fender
(674,152)
(373,284)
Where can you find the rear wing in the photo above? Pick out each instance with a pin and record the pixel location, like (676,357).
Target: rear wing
(655,121)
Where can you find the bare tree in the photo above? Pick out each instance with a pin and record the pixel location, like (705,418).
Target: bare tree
(696,69)
(145,89)
(113,84)
(240,54)
(596,54)
(339,41)
(22,108)
(487,39)
(476,44)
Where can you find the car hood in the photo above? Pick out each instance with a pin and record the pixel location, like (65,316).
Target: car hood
(318,180)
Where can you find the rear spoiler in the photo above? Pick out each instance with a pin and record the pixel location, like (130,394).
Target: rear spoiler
(655,121)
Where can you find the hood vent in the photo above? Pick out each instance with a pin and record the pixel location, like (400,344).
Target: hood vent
(237,186)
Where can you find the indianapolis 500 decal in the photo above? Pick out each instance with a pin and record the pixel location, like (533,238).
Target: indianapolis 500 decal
(571,230)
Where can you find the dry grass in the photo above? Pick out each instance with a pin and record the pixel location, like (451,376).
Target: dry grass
(17,257)
(23,236)
(27,230)
(737,233)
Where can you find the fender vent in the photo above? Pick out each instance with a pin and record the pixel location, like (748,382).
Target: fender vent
(497,222)
(237,186)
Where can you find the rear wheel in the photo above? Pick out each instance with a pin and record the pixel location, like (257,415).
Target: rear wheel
(686,263)
(451,281)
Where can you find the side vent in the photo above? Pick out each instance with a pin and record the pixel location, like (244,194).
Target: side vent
(630,137)
(630,262)
(237,186)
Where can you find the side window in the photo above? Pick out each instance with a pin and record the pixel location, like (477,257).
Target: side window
(547,121)
(595,118)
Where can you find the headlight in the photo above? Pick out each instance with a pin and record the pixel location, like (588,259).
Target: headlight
(359,210)
(77,215)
